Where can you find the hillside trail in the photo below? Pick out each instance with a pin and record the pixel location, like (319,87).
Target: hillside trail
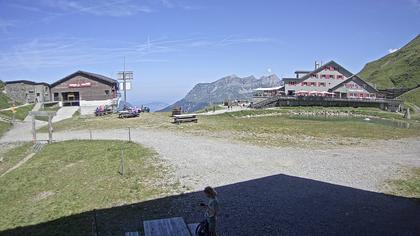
(20,163)
(225,110)
(416,108)
(10,108)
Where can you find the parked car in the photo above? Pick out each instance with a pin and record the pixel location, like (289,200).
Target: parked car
(129,113)
(103,110)
(144,109)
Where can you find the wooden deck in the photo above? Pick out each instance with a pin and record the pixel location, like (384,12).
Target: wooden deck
(166,227)
(279,101)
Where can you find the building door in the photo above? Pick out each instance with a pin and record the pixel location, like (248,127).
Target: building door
(291,93)
(71,99)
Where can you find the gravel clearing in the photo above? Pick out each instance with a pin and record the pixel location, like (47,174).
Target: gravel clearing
(199,161)
(275,191)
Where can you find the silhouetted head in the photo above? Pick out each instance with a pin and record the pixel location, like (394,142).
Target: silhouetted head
(210,192)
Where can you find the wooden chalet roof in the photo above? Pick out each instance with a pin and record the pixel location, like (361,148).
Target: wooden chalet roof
(355,78)
(341,69)
(89,75)
(26,82)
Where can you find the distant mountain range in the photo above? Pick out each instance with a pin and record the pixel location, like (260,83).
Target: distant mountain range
(400,69)
(227,88)
(155,106)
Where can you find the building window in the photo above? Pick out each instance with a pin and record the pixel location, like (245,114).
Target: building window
(339,76)
(107,92)
(313,84)
(323,76)
(321,84)
(30,91)
(292,83)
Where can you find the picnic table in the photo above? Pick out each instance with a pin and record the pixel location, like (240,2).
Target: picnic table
(185,118)
(167,227)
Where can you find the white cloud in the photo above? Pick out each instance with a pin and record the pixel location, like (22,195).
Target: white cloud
(98,8)
(5,25)
(55,52)
(392,50)
(180,5)
(416,4)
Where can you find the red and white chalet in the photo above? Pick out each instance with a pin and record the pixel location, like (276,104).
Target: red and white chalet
(329,80)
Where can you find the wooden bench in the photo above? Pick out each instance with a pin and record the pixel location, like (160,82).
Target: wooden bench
(185,118)
(166,227)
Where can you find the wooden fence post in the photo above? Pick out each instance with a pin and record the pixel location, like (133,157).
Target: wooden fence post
(33,130)
(50,129)
(122,162)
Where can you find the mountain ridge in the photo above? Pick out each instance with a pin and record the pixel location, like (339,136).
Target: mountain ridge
(231,87)
(399,69)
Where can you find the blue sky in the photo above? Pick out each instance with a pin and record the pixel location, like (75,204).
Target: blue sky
(173,44)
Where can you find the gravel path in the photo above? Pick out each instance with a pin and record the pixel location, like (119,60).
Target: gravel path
(276,191)
(200,161)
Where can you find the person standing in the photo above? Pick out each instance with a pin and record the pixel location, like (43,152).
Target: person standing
(212,209)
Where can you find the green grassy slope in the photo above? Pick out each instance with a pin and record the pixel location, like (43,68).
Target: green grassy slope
(4,127)
(412,96)
(13,156)
(70,177)
(21,112)
(4,101)
(400,69)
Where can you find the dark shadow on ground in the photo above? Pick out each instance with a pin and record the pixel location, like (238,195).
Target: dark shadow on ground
(274,205)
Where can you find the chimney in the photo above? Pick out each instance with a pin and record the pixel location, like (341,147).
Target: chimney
(316,65)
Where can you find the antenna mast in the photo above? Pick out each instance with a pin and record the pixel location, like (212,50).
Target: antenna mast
(124,76)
